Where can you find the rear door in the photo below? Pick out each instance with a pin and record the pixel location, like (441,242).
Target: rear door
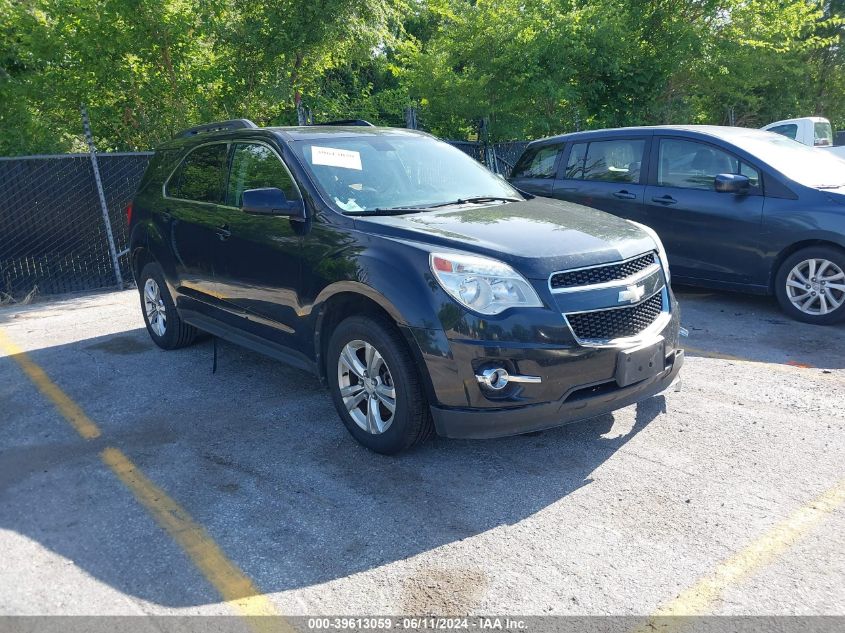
(708,235)
(535,171)
(606,174)
(192,212)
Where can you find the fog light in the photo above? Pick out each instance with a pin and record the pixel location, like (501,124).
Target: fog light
(494,378)
(497,378)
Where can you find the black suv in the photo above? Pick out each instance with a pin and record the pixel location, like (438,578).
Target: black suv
(427,292)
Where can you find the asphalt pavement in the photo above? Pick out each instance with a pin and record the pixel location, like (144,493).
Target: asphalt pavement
(727,497)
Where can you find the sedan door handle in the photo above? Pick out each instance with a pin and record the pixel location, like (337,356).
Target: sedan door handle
(223,232)
(624,195)
(664,200)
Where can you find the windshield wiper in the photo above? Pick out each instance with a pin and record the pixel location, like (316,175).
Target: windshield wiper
(389,211)
(830,186)
(474,200)
(420,209)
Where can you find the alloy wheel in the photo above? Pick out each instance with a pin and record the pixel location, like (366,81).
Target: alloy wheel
(366,386)
(816,286)
(154,307)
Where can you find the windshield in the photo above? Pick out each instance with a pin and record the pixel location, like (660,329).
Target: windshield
(365,173)
(802,163)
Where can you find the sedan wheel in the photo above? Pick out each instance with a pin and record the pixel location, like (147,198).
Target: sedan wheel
(366,386)
(816,287)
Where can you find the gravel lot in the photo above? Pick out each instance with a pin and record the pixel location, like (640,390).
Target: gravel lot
(617,515)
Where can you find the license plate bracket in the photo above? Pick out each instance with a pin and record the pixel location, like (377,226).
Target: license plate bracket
(640,363)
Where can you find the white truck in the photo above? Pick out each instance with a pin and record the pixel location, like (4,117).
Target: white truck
(815,131)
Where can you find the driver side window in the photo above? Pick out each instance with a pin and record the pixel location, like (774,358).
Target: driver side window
(256,166)
(693,165)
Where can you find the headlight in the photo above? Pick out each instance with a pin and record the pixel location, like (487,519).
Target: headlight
(661,252)
(482,284)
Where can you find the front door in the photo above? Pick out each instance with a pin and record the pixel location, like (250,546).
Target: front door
(257,265)
(708,235)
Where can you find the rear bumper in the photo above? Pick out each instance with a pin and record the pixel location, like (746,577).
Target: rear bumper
(479,423)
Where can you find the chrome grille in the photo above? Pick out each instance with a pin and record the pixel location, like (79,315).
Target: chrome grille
(601,274)
(616,323)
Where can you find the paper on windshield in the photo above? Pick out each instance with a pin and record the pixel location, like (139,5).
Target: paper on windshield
(333,157)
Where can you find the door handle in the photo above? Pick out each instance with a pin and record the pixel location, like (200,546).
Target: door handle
(624,195)
(664,200)
(223,232)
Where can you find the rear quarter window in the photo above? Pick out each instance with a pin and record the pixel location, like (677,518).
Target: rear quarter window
(822,134)
(159,167)
(537,162)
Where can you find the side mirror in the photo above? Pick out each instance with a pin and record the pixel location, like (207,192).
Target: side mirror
(271,201)
(732,183)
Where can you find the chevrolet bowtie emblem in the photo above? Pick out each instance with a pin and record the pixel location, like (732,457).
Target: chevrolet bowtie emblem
(631,294)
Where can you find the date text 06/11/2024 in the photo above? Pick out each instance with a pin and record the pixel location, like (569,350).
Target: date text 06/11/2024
(422,623)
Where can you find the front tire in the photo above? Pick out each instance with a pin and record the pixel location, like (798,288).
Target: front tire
(164,325)
(810,285)
(375,385)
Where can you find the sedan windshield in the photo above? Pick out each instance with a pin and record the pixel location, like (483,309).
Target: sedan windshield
(809,166)
(373,173)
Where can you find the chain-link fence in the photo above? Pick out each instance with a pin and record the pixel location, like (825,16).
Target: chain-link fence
(53,237)
(499,157)
(505,156)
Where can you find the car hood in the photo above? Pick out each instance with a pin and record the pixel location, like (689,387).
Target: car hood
(536,237)
(837,195)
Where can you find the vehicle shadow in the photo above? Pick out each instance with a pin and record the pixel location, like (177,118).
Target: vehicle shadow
(257,455)
(752,327)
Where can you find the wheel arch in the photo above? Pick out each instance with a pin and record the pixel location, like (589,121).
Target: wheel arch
(794,248)
(139,249)
(342,300)
(347,298)
(140,257)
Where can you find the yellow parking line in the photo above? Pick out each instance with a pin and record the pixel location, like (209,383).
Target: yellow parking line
(224,575)
(235,587)
(700,597)
(67,407)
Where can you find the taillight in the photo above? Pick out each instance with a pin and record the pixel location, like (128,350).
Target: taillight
(129,214)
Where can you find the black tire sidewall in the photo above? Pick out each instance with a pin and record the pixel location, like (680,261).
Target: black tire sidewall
(169,340)
(402,432)
(814,252)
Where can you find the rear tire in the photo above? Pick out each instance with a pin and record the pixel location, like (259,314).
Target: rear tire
(810,285)
(376,386)
(164,325)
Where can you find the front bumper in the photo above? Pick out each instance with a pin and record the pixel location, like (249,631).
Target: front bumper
(580,404)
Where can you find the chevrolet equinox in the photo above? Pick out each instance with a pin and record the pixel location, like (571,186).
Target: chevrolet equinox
(425,291)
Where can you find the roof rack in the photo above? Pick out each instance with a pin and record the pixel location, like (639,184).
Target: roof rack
(353,122)
(218,126)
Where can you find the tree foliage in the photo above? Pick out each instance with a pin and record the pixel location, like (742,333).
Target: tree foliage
(147,68)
